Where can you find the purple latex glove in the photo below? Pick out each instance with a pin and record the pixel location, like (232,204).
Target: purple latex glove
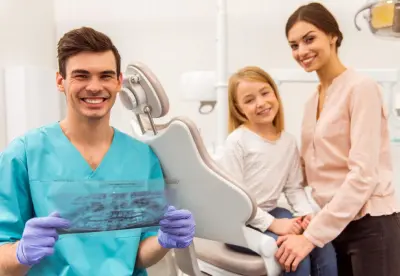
(177,228)
(39,237)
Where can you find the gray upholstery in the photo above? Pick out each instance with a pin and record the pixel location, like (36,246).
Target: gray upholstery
(219,255)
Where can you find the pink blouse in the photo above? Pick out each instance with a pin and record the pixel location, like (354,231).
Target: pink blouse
(346,156)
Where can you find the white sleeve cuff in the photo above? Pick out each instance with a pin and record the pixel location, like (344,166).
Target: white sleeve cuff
(262,220)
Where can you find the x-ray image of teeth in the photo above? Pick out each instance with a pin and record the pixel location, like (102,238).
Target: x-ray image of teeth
(105,206)
(105,212)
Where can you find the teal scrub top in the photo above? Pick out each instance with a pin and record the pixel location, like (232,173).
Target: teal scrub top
(45,155)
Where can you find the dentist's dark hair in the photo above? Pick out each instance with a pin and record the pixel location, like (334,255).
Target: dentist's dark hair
(319,16)
(84,39)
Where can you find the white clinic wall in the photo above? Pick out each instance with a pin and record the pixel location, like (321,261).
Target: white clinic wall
(28,37)
(179,35)
(32,94)
(3,122)
(27,33)
(176,36)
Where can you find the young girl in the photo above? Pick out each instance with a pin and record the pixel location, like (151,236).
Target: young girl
(346,152)
(260,155)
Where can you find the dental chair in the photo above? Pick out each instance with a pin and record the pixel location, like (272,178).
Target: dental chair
(221,207)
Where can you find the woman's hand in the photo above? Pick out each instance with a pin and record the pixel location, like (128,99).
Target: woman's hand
(292,249)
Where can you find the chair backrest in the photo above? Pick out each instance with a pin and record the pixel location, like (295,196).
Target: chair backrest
(200,185)
(221,207)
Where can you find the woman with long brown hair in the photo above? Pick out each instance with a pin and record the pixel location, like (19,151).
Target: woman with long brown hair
(346,156)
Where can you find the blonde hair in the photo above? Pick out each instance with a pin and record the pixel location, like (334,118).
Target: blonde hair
(236,118)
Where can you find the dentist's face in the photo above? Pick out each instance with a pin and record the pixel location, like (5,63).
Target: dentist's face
(91,84)
(311,47)
(257,101)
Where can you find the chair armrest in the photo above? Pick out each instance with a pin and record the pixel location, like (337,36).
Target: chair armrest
(266,247)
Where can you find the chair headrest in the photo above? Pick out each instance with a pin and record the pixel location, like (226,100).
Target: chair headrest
(142,92)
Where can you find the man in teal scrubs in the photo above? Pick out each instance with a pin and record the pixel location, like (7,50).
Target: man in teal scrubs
(80,151)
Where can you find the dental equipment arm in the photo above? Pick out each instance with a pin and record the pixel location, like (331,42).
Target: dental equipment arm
(9,265)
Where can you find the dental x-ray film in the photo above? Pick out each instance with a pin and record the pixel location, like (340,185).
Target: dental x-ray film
(94,206)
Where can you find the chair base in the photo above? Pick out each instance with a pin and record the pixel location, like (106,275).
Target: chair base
(213,270)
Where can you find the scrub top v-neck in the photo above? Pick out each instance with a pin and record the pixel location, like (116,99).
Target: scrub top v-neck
(43,157)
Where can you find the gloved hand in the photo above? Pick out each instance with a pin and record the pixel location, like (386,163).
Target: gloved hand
(39,238)
(177,228)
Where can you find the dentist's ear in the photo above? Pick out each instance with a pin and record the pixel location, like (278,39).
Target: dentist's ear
(60,82)
(120,81)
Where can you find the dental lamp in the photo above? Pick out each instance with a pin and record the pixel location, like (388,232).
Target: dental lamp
(383,18)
